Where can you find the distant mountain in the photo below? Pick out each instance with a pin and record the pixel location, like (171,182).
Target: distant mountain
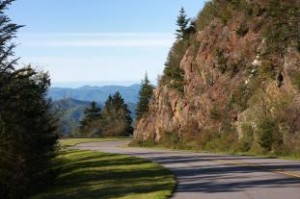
(95,93)
(70,111)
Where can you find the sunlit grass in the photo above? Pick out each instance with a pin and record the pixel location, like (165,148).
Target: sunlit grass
(91,174)
(73,141)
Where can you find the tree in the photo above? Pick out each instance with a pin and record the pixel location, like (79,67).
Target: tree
(145,95)
(90,124)
(27,129)
(173,74)
(116,119)
(182,22)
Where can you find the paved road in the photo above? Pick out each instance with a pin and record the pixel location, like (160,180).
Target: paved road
(210,176)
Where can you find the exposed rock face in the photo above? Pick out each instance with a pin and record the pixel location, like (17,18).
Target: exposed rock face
(229,79)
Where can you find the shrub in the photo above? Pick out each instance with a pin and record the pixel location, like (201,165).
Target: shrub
(170,139)
(269,136)
(245,143)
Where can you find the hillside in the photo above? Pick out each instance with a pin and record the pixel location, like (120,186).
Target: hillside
(232,82)
(94,93)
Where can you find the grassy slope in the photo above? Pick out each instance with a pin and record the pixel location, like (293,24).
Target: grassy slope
(90,174)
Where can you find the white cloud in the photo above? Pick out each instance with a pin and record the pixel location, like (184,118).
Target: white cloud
(53,40)
(96,56)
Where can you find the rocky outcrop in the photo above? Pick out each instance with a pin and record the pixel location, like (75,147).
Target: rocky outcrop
(230,79)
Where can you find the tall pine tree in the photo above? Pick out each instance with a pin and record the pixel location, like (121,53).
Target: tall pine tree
(182,22)
(145,95)
(27,129)
(90,124)
(116,119)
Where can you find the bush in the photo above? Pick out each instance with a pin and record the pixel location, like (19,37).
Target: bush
(245,143)
(171,139)
(269,136)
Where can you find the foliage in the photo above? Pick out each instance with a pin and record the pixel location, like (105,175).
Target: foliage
(245,143)
(206,15)
(116,119)
(282,28)
(266,130)
(103,175)
(173,74)
(68,112)
(182,23)
(170,139)
(145,96)
(91,120)
(224,141)
(27,129)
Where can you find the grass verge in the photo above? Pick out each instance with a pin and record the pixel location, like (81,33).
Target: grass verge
(91,174)
(73,141)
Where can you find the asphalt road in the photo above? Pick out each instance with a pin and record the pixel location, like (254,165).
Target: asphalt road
(211,176)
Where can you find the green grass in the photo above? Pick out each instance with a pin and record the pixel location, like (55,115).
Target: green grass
(91,174)
(73,141)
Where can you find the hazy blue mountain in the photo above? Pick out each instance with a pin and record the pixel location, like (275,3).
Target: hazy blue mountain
(95,93)
(70,111)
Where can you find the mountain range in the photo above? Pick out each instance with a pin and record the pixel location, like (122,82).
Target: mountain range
(95,93)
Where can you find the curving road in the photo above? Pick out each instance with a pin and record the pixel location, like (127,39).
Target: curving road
(210,176)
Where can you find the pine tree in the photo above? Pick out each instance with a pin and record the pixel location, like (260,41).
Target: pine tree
(27,129)
(90,124)
(116,119)
(145,95)
(182,22)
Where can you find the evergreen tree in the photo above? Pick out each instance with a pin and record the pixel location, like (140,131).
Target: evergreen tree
(27,129)
(116,119)
(90,124)
(183,23)
(145,95)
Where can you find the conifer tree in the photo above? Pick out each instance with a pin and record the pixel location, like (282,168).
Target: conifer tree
(90,124)
(27,129)
(145,95)
(182,22)
(116,119)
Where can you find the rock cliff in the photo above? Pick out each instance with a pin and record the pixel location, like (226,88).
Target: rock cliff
(241,73)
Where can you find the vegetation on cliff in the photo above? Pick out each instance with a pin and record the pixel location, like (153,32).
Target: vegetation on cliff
(232,83)
(145,95)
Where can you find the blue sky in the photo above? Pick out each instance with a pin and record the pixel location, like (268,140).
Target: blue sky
(97,41)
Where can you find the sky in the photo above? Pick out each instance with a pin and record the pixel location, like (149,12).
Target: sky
(97,41)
